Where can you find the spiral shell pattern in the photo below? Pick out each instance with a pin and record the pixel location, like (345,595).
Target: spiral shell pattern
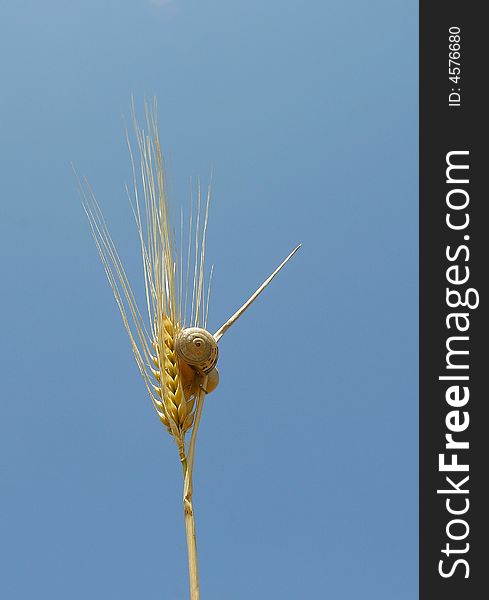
(198,348)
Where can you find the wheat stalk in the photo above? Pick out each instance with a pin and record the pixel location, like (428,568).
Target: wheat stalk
(176,389)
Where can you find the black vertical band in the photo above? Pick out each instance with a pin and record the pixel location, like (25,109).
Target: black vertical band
(454,336)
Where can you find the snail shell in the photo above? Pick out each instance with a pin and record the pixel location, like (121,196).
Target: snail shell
(212,380)
(197,348)
(193,381)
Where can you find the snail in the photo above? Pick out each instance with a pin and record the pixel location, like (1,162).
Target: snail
(197,351)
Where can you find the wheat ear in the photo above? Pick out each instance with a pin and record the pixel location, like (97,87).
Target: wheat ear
(176,388)
(153,338)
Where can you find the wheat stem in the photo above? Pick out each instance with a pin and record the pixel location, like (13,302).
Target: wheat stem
(220,332)
(191,548)
(188,509)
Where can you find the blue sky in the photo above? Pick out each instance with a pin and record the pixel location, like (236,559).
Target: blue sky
(306,473)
